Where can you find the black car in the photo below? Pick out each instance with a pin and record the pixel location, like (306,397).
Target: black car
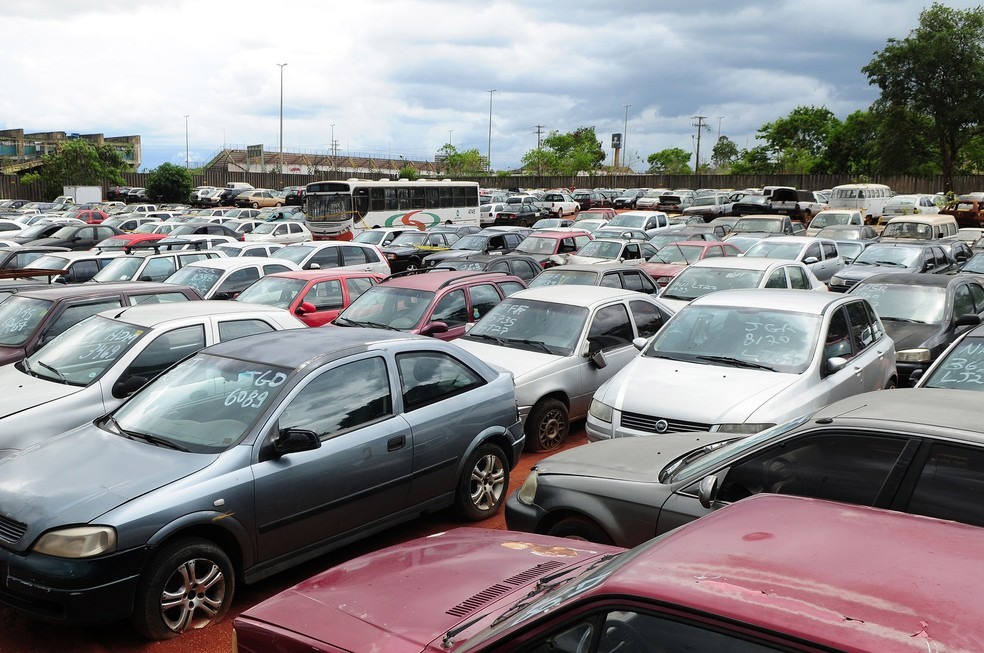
(913,256)
(294,195)
(408,250)
(752,205)
(35,231)
(501,242)
(204,228)
(923,313)
(519,265)
(518,215)
(77,237)
(627,200)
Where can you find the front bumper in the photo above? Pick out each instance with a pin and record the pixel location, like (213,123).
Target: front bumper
(522,517)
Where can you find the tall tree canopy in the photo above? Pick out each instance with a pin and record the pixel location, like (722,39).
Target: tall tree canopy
(78,162)
(566,154)
(169,183)
(461,164)
(937,72)
(671,161)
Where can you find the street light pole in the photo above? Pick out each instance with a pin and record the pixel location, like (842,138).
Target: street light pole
(281,119)
(488,158)
(450,131)
(187,156)
(625,135)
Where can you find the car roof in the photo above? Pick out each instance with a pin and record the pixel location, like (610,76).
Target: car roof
(149,315)
(438,279)
(83,255)
(600,268)
(797,240)
(742,262)
(914,279)
(778,299)
(82,290)
(323,274)
(572,295)
(859,582)
(234,262)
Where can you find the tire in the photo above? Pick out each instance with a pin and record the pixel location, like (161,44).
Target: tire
(279,205)
(255,205)
(893,383)
(413,264)
(483,484)
(560,212)
(580,528)
(547,425)
(523,223)
(194,573)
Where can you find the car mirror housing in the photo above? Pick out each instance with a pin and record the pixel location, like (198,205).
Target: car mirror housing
(434,327)
(836,364)
(810,260)
(598,359)
(639,343)
(707,491)
(296,440)
(969,319)
(305,308)
(128,385)
(914,377)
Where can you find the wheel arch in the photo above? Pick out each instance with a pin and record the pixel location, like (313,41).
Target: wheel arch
(222,529)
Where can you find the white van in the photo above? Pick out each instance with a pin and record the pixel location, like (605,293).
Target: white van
(239,185)
(869,199)
(922,227)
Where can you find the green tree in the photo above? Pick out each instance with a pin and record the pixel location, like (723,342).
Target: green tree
(724,153)
(78,162)
(409,172)
(461,164)
(566,154)
(799,140)
(169,183)
(755,161)
(936,72)
(671,161)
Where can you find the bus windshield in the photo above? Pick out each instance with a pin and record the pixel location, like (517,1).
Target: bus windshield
(331,206)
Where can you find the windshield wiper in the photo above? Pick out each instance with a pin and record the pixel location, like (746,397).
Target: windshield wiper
(147,437)
(366,323)
(736,362)
(485,336)
(27,367)
(688,458)
(61,377)
(539,344)
(902,319)
(891,263)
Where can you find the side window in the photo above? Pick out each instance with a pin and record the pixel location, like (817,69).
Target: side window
(950,485)
(82,271)
(813,251)
(165,351)
(977,292)
(428,377)
(713,252)
(862,333)
(610,328)
(797,278)
(274,268)
(838,341)
(483,298)
(325,258)
(500,266)
(525,270)
(358,286)
(611,280)
(963,302)
(157,269)
(777,279)
(157,298)
(238,281)
(631,252)
(451,309)
(232,329)
(632,281)
(75,314)
(648,318)
(510,287)
(851,468)
(325,295)
(829,250)
(353,255)
(331,403)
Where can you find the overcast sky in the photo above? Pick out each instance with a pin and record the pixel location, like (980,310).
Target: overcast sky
(404,77)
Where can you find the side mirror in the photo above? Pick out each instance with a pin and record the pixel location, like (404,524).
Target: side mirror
(434,328)
(305,308)
(223,295)
(598,359)
(810,260)
(312,266)
(127,386)
(970,319)
(707,491)
(914,377)
(639,343)
(836,364)
(296,440)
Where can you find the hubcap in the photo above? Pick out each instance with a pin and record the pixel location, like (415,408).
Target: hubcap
(488,480)
(193,595)
(552,429)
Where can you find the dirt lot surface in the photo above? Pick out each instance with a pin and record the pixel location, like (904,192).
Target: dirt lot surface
(20,634)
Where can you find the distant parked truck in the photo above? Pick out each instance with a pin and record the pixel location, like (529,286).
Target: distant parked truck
(82,194)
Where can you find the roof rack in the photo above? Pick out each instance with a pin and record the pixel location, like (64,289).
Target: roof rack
(26,273)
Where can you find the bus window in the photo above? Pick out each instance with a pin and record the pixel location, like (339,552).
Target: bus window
(377,199)
(417,199)
(447,198)
(403,199)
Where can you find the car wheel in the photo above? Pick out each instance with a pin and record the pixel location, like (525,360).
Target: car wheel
(279,205)
(255,205)
(483,484)
(188,585)
(580,528)
(546,425)
(523,223)
(893,383)
(560,213)
(413,264)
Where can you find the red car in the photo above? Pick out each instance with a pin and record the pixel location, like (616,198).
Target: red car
(768,573)
(673,258)
(316,297)
(604,214)
(88,216)
(126,242)
(541,245)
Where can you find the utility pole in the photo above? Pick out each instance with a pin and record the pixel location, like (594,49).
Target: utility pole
(186,142)
(489,155)
(700,126)
(625,135)
(539,141)
(281,176)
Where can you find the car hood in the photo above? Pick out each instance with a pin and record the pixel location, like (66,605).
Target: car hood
(909,336)
(636,460)
(656,270)
(22,391)
(731,394)
(87,461)
(520,362)
(407,596)
(859,272)
(574,259)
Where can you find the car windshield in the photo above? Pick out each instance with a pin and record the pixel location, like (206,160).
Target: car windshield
(272,291)
(81,354)
(897,257)
(780,341)
(411,239)
(50,262)
(370,237)
(205,404)
(974,264)
(826,219)
(677,254)
(34,231)
(905,303)
(120,269)
(294,253)
(759,225)
(19,317)
(706,200)
(265,228)
(202,279)
(65,232)
(768,248)
(601,249)
(537,245)
(474,242)
(563,277)
(532,325)
(962,368)
(387,307)
(916,230)
(660,241)
(626,220)
(849,250)
(697,281)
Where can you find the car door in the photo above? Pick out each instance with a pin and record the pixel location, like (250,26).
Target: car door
(874,352)
(609,332)
(326,300)
(361,472)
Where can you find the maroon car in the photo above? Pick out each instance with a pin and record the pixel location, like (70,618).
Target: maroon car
(768,573)
(316,297)
(673,258)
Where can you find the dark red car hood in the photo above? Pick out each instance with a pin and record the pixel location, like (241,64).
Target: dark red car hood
(406,597)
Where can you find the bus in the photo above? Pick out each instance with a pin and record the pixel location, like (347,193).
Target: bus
(869,199)
(339,210)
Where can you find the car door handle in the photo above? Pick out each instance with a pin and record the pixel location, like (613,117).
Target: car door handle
(397,443)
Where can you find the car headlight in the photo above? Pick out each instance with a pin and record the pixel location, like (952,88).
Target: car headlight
(744,428)
(913,356)
(601,412)
(77,542)
(391,257)
(527,491)
(836,281)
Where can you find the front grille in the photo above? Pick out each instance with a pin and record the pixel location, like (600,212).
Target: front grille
(11,531)
(647,423)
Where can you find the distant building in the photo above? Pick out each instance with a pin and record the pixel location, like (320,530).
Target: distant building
(237,160)
(20,152)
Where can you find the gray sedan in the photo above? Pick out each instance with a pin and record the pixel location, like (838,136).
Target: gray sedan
(249,457)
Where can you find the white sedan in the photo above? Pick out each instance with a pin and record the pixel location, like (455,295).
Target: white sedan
(290,231)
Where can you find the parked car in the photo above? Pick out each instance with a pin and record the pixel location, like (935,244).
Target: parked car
(819,255)
(911,205)
(256,199)
(751,205)
(148,266)
(487,242)
(21,256)
(796,575)
(709,206)
(673,258)
(561,343)
(590,199)
(923,313)
(522,215)
(127,242)
(848,232)
(407,251)
(280,232)
(959,367)
(918,256)
(334,254)
(594,214)
(544,244)
(73,236)
(439,303)
(628,198)
(610,275)
(799,205)
(765,225)
(835,218)
(558,204)
(381,236)
(519,265)
(75,267)
(129,222)
(243,248)
(224,278)
(316,297)
(294,195)
(301,459)
(648,221)
(712,274)
(204,229)
(601,250)
(969,212)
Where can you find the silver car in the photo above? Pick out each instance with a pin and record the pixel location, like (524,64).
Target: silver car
(249,457)
(819,255)
(92,367)
(561,343)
